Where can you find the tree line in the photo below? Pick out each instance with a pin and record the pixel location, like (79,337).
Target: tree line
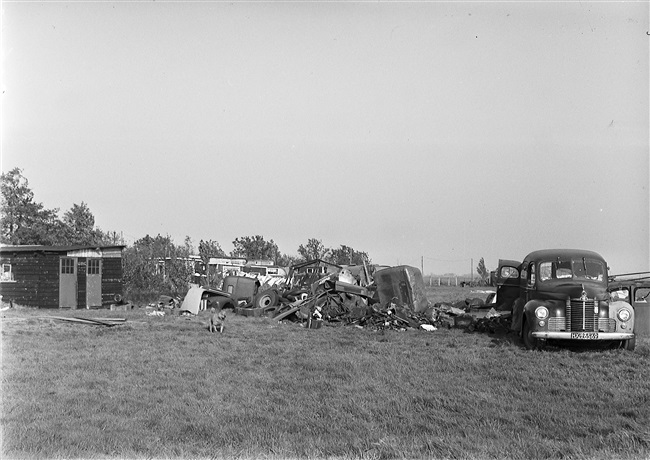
(24,221)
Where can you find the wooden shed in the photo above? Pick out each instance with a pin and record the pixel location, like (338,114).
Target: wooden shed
(61,276)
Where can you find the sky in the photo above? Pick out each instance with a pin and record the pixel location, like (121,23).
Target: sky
(429,134)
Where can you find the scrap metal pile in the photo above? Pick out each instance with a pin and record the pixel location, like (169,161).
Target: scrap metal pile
(375,298)
(388,298)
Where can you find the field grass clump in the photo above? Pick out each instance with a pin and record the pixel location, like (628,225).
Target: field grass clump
(164,387)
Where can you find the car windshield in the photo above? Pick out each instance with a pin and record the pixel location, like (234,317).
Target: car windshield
(576,268)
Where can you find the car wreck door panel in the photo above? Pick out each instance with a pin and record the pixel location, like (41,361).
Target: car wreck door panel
(507,281)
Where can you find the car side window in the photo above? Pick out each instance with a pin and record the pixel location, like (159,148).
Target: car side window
(545,271)
(509,272)
(531,274)
(641,295)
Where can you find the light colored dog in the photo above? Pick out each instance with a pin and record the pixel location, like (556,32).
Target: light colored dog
(217,320)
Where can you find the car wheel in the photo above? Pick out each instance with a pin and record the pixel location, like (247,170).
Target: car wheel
(530,342)
(629,344)
(266,299)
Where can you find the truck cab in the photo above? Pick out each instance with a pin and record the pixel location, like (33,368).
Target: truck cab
(563,296)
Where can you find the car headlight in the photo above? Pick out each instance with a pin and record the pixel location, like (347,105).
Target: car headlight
(541,312)
(624,314)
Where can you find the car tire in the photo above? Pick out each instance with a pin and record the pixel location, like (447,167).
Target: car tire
(629,344)
(266,299)
(530,342)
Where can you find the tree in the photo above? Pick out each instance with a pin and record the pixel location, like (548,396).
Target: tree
(285,260)
(79,226)
(483,272)
(314,249)
(23,220)
(112,238)
(255,247)
(154,266)
(209,249)
(345,255)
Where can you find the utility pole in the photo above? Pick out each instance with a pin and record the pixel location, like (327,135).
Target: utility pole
(422,265)
(471,268)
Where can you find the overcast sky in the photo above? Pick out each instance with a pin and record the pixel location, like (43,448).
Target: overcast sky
(447,131)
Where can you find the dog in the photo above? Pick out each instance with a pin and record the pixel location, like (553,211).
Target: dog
(217,320)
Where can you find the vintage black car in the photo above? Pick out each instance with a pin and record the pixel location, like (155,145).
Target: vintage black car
(562,294)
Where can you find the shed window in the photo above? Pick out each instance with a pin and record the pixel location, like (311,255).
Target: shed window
(7,274)
(67,266)
(94,267)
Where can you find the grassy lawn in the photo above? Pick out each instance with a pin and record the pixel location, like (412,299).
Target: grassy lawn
(164,387)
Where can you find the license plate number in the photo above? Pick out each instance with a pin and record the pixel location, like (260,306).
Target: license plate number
(584,335)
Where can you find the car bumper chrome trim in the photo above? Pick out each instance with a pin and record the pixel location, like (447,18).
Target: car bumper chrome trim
(567,335)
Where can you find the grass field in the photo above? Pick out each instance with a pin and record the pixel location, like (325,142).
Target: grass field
(164,387)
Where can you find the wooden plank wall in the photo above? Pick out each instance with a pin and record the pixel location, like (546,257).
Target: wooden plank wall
(36,280)
(112,283)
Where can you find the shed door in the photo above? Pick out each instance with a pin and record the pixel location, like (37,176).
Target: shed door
(94,283)
(68,282)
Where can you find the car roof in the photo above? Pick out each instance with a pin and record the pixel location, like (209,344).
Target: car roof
(553,253)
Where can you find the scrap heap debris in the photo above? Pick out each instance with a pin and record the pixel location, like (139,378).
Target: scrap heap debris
(373,297)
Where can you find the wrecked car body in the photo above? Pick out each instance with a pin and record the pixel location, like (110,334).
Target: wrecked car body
(242,289)
(198,299)
(403,284)
(562,295)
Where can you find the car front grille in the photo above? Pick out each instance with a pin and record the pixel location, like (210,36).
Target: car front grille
(580,317)
(557,324)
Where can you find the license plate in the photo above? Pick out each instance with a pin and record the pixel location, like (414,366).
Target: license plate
(584,335)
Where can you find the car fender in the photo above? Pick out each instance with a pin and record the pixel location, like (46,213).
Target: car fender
(528,312)
(615,306)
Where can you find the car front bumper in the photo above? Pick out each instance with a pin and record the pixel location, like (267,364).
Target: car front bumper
(585,335)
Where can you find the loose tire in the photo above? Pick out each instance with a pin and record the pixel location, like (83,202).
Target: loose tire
(266,299)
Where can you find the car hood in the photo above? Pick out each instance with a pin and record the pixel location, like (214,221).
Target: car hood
(562,290)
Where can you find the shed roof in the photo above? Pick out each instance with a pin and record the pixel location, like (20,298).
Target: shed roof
(41,248)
